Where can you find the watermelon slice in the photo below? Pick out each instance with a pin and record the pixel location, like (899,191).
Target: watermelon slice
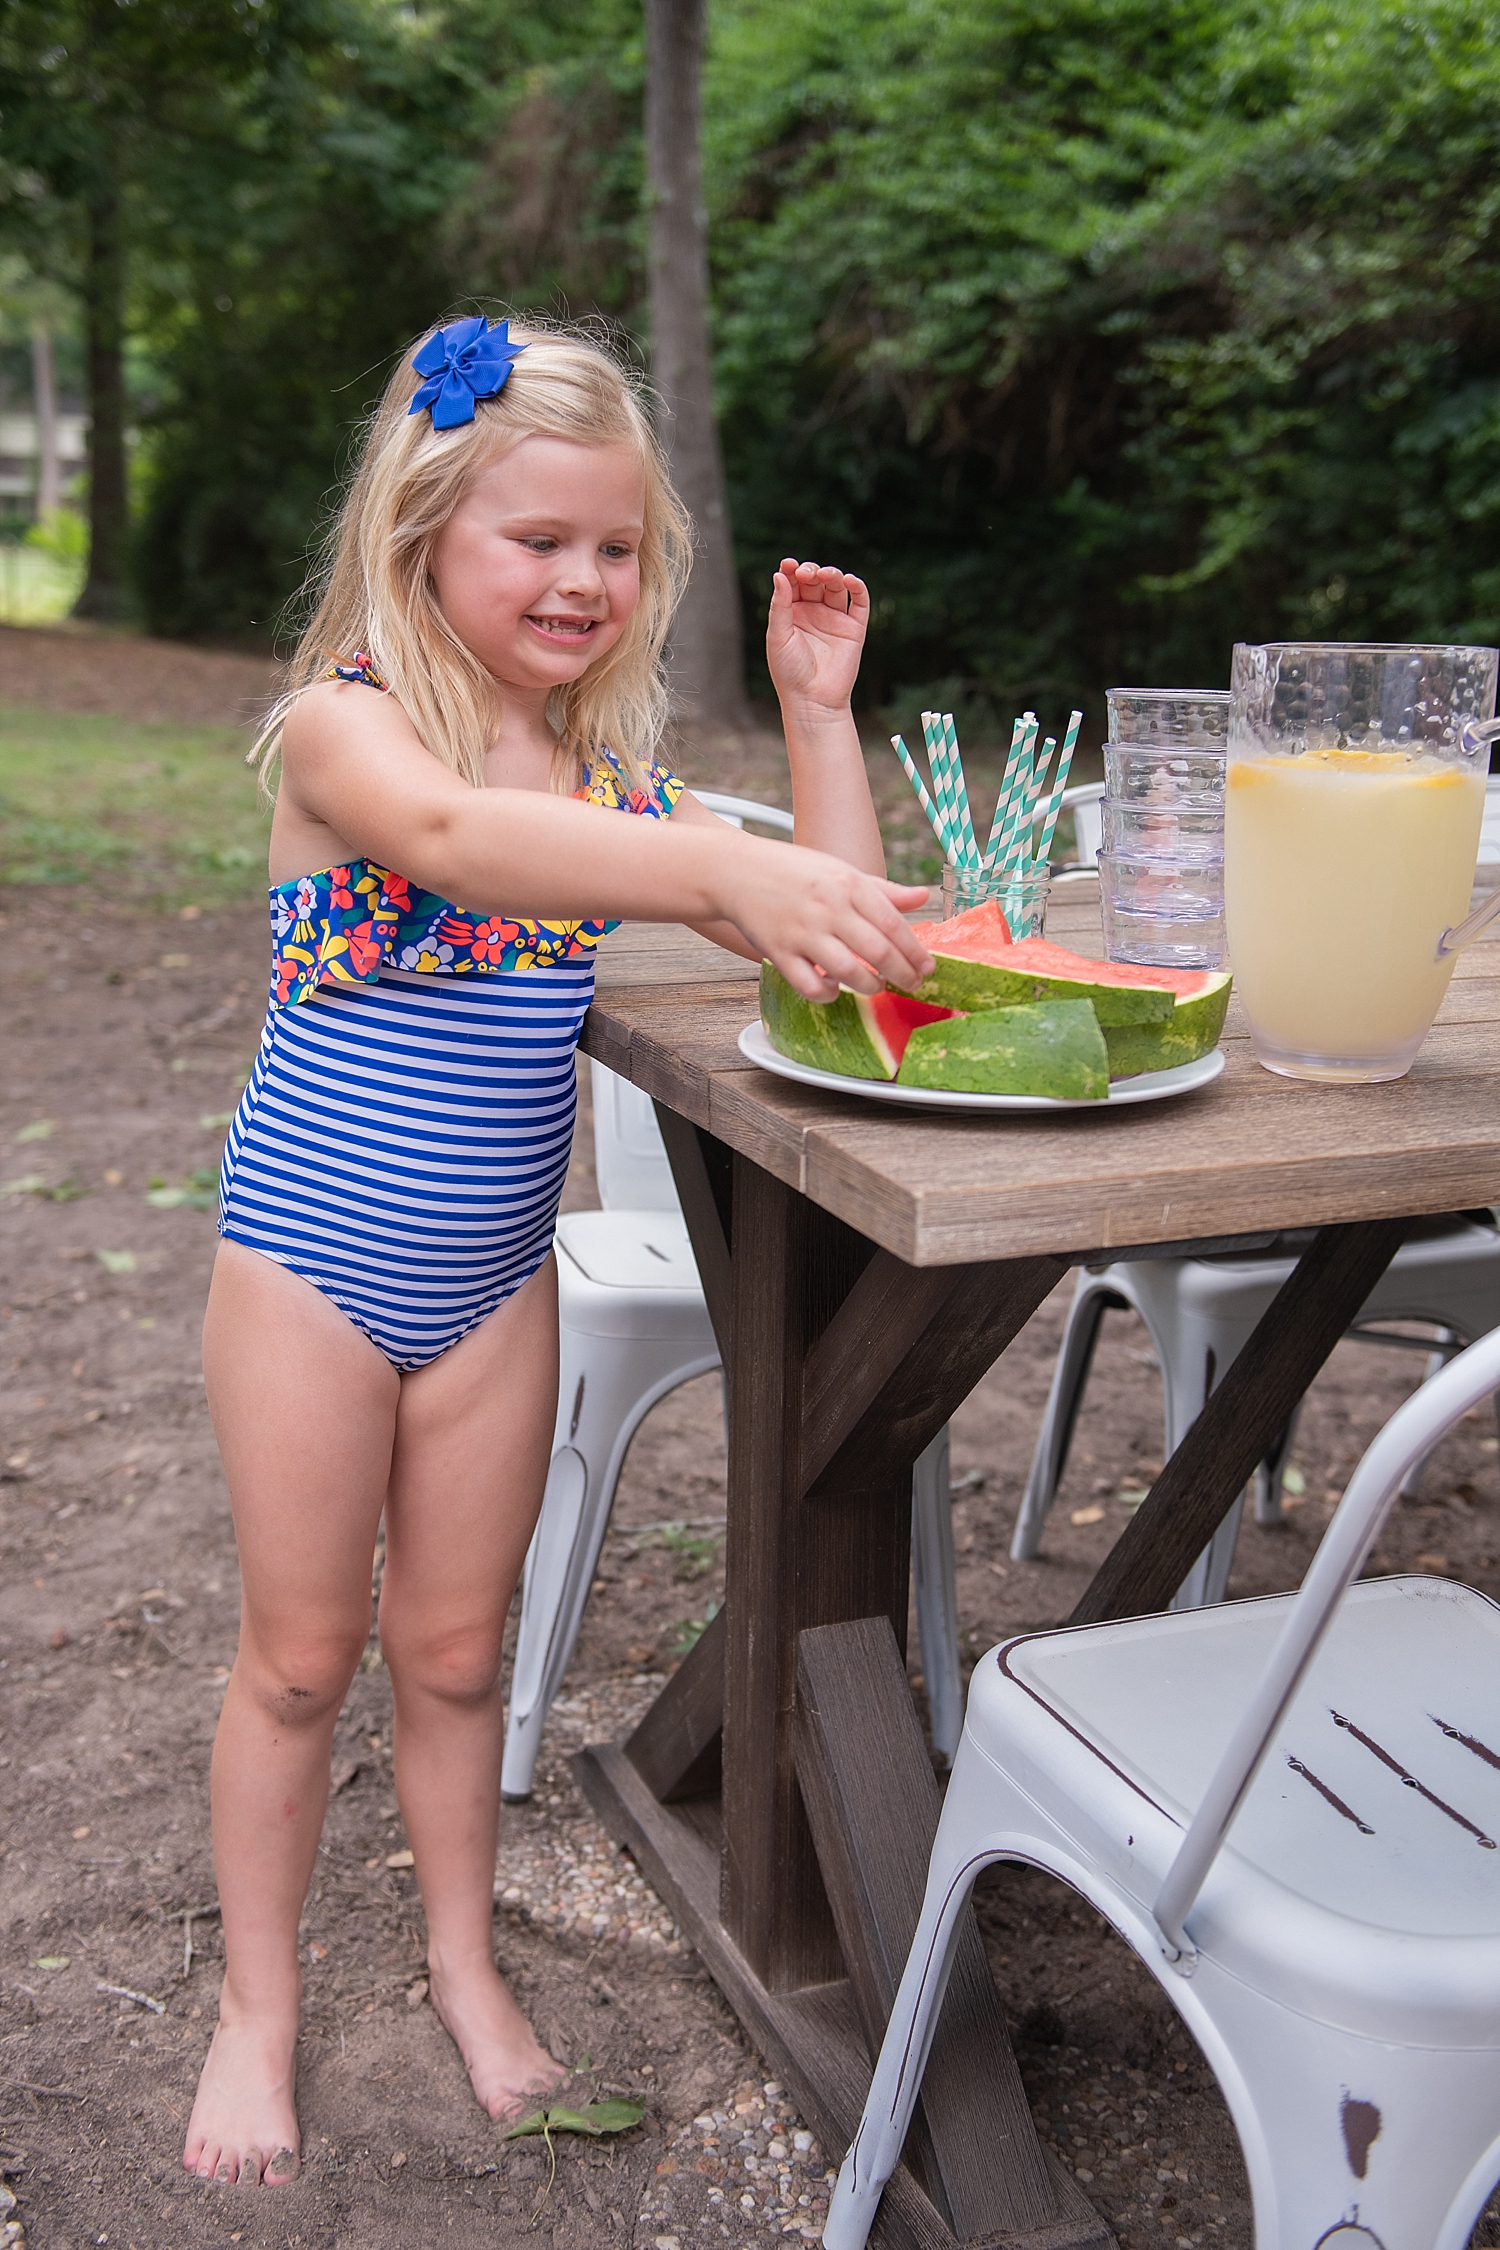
(859,1035)
(1152,1018)
(1054,1048)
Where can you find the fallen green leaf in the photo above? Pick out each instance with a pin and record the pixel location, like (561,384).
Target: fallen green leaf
(116,1261)
(40,1131)
(55,1961)
(1294,1482)
(595,2118)
(216,1119)
(692,1629)
(30,1183)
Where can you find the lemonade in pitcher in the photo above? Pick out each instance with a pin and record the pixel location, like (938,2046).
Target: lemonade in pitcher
(1354,798)
(1343,868)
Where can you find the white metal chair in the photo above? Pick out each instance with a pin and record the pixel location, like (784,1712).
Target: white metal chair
(1200,1312)
(633,1326)
(1289,1809)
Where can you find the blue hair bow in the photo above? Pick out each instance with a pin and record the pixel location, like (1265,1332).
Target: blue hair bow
(467,361)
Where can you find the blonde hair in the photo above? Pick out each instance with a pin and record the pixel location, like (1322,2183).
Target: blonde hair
(374,593)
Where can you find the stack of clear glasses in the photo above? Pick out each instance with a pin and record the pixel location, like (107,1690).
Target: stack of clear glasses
(1161,871)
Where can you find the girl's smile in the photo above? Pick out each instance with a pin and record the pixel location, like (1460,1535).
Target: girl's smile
(538,568)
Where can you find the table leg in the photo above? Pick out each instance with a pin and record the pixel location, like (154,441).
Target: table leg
(844,1365)
(1240,1421)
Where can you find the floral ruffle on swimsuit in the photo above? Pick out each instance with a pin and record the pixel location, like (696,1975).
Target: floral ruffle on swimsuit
(342,925)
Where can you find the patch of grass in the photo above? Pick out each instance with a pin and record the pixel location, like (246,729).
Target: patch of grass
(155,816)
(37,587)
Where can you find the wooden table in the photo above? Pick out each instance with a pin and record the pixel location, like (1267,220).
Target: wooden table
(863,1268)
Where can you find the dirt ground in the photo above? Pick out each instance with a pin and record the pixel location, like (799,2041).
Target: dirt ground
(126,1039)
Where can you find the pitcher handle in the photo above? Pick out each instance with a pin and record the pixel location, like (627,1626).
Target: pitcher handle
(1473,735)
(1464,933)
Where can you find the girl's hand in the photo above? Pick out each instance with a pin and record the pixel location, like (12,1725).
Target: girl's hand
(815,633)
(824,923)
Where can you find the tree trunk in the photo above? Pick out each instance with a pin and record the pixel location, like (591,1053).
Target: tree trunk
(44,399)
(104,593)
(708,658)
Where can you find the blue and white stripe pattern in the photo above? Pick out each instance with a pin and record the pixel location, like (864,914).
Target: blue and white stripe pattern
(402,1145)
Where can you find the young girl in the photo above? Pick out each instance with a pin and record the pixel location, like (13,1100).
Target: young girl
(381,1336)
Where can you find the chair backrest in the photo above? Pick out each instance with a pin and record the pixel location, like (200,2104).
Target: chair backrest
(1086,804)
(630,1163)
(737,810)
(1408,1437)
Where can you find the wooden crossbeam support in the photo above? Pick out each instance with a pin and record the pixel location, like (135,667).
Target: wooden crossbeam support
(702,1168)
(949,1339)
(873,1820)
(1241,1420)
(677,1748)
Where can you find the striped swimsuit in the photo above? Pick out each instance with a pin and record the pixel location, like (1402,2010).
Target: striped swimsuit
(404,1137)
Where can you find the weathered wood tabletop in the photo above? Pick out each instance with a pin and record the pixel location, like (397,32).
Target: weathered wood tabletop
(864,1267)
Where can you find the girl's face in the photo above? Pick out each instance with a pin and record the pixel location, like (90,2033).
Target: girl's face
(538,567)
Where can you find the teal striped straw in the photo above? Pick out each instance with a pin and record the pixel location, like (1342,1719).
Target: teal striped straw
(1006,785)
(1054,803)
(956,768)
(943,784)
(1018,804)
(926,803)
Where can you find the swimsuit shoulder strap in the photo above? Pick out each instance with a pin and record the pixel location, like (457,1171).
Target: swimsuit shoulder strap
(359,671)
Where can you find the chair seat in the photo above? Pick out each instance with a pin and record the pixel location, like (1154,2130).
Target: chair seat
(630,1274)
(1390,1922)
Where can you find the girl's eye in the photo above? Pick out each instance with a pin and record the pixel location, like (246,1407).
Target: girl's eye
(615,550)
(540,544)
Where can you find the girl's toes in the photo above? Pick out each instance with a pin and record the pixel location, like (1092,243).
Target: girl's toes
(227,2170)
(282,2169)
(250,2168)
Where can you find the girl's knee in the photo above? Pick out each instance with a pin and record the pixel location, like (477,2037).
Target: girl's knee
(304,1682)
(460,1666)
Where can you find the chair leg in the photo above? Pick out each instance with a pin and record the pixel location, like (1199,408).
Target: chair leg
(609,1385)
(560,1565)
(1447,1344)
(1268,1477)
(876,2148)
(1091,1300)
(937,1598)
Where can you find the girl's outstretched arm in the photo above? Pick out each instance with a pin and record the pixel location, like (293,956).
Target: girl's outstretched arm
(814,636)
(353,763)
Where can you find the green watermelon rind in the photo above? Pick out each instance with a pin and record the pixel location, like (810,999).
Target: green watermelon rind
(826,1034)
(973,985)
(1054,1049)
(1193,1031)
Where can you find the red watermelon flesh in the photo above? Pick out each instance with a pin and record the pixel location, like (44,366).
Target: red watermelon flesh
(983,934)
(890,1018)
(1056,961)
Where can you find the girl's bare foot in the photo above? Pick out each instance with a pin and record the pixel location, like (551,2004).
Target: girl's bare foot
(507,2065)
(243,2130)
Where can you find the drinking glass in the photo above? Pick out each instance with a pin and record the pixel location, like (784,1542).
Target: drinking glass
(1022,898)
(1355,793)
(1137,775)
(1169,718)
(1166,913)
(1163,832)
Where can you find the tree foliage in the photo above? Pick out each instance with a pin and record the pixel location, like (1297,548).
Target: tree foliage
(1096,333)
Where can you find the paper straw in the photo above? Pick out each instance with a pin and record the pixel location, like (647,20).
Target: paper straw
(942,791)
(1054,804)
(1006,785)
(1018,809)
(923,799)
(961,791)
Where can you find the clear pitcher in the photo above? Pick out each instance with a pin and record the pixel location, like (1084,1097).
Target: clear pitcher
(1353,803)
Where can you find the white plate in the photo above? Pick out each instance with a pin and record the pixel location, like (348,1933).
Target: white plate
(1150,1086)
